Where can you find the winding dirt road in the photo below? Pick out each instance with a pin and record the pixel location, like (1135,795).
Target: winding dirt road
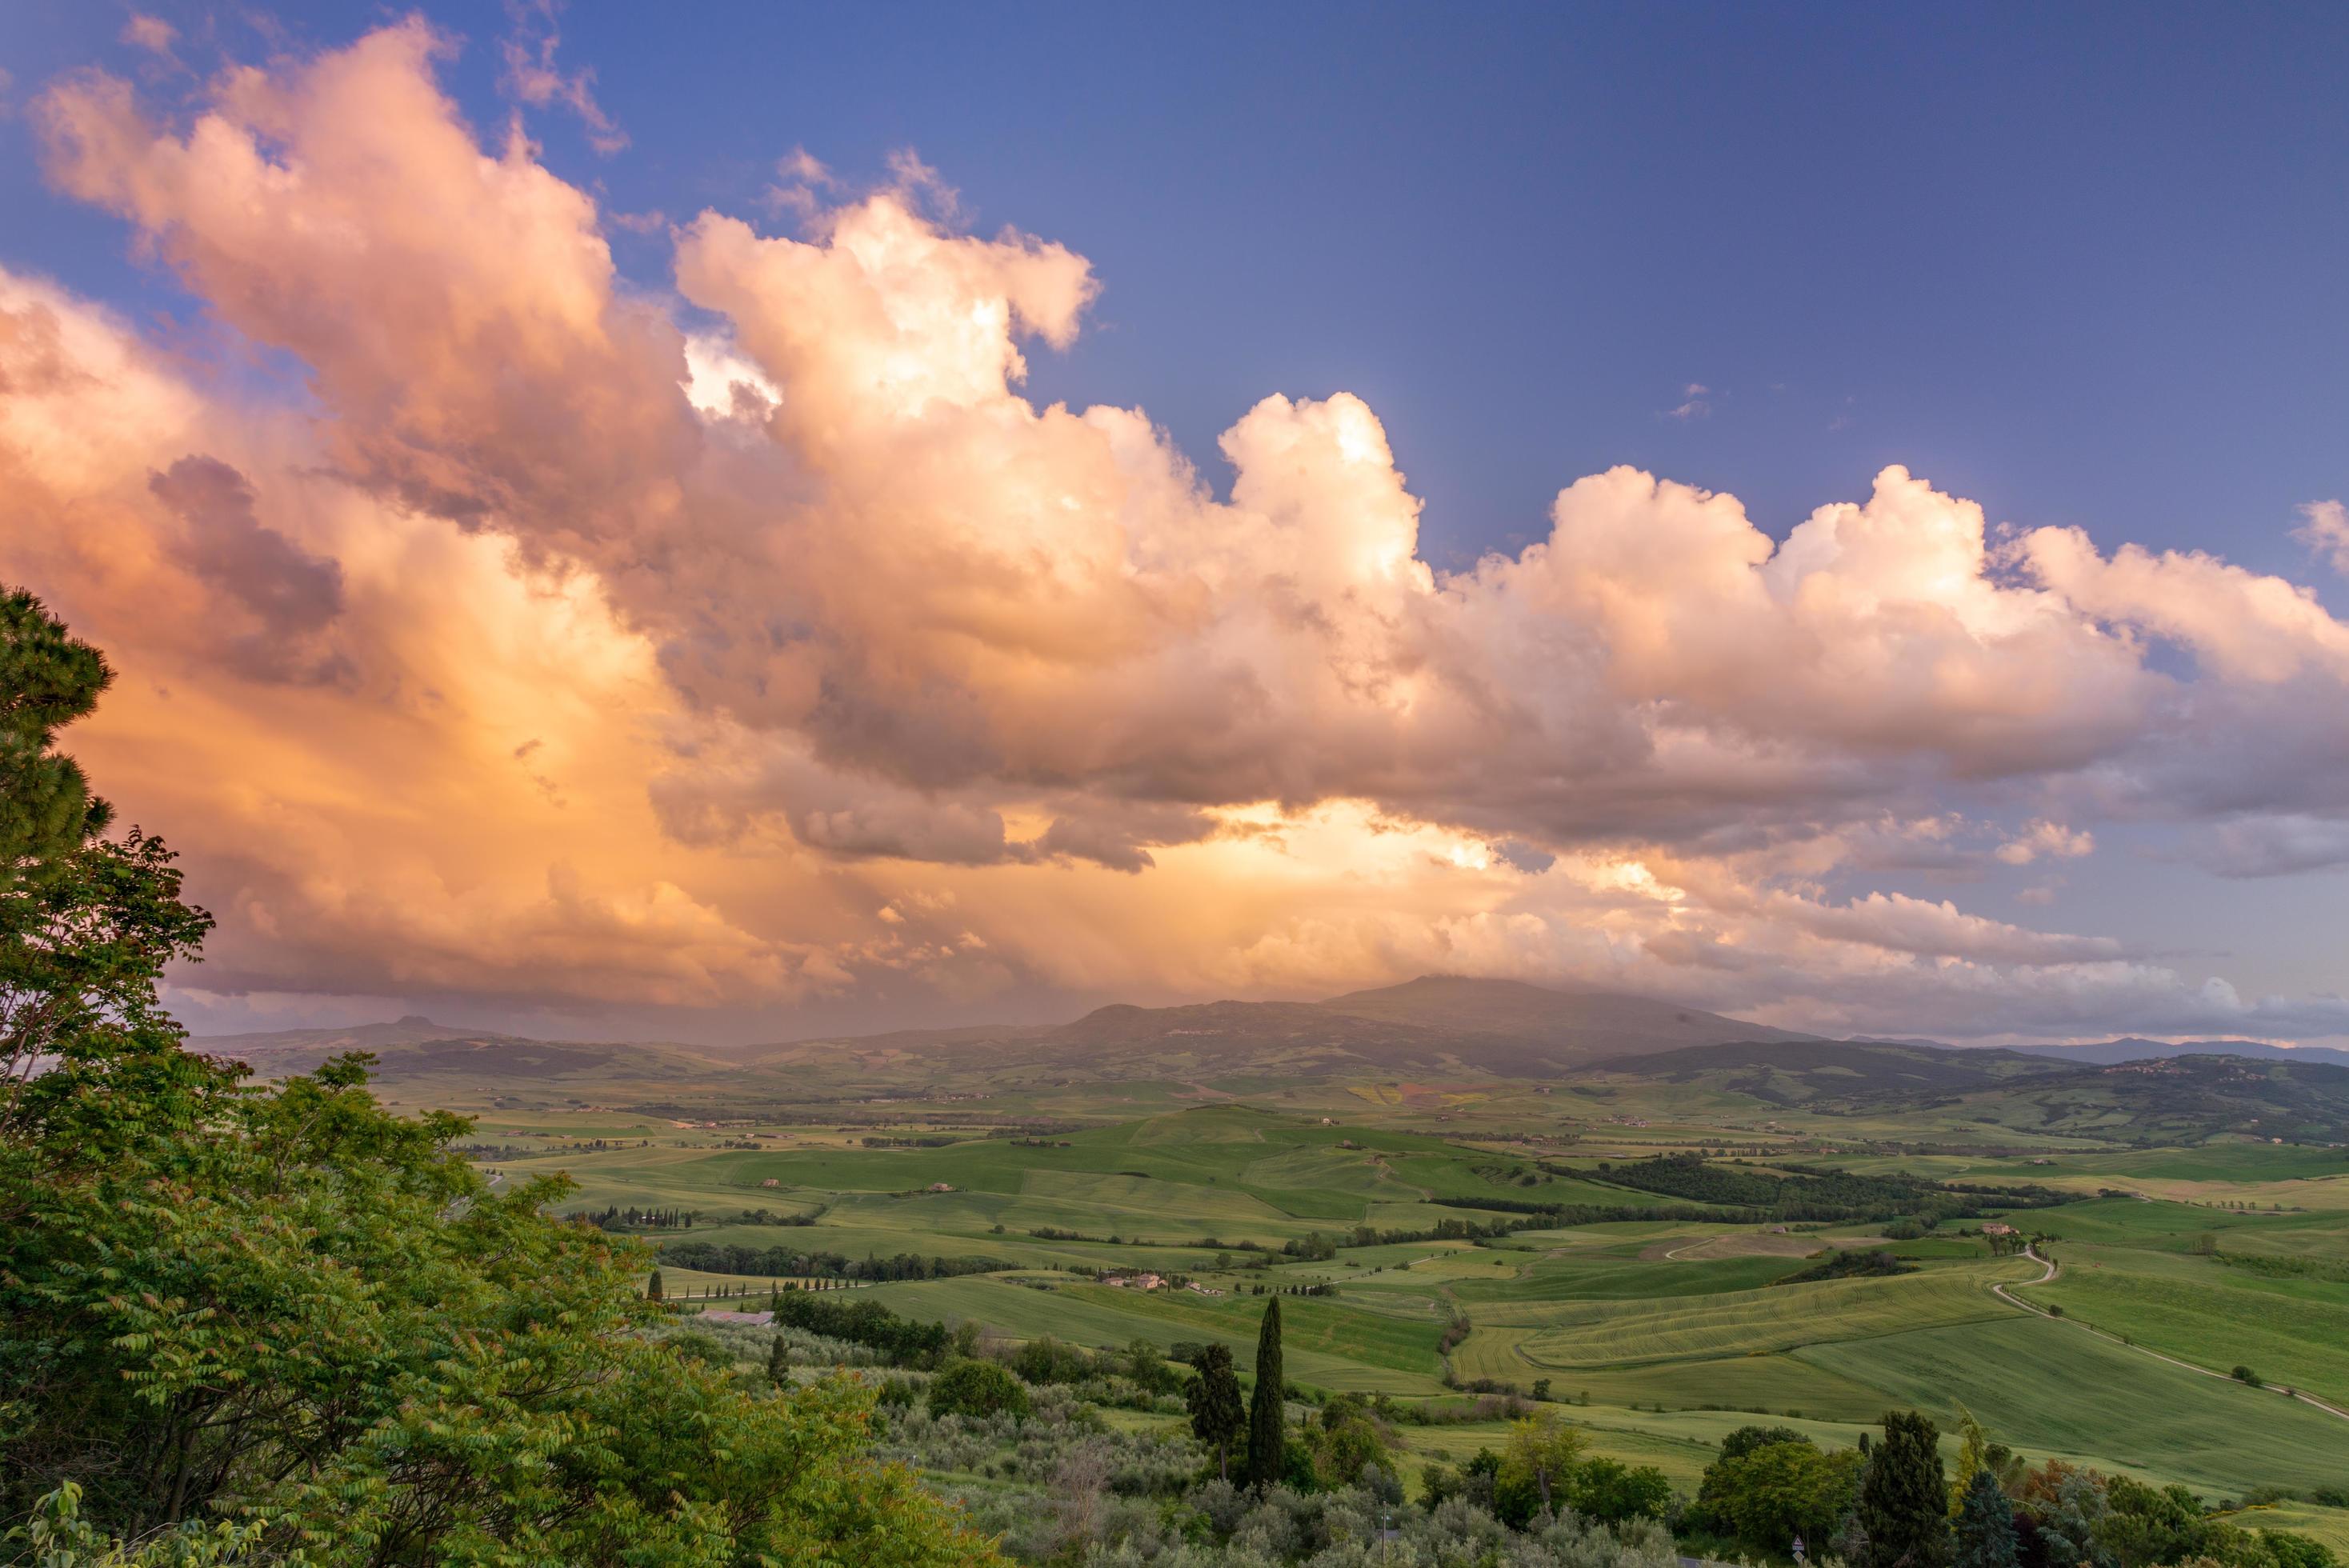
(2053,1269)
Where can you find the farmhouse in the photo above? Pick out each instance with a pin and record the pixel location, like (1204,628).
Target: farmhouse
(755,1319)
(1144,1280)
(772,1181)
(1997,1228)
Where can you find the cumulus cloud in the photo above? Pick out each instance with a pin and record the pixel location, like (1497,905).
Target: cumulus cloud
(1694,403)
(2324,529)
(287,595)
(152,34)
(809,609)
(531,76)
(2046,839)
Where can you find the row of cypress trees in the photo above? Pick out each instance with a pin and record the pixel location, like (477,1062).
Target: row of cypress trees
(1217,1417)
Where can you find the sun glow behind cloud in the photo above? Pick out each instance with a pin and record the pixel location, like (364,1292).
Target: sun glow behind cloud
(565,652)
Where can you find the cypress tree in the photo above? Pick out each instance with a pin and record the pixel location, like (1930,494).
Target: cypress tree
(653,1291)
(779,1367)
(1217,1414)
(1904,1502)
(1266,1412)
(1985,1524)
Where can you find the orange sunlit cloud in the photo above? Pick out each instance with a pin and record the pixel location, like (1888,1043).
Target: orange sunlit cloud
(549,649)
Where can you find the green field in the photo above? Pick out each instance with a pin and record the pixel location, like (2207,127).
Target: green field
(2053,1387)
(1661,1331)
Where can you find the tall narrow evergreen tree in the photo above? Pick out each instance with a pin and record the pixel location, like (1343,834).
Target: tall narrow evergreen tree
(1217,1414)
(1985,1527)
(1266,1412)
(653,1287)
(1904,1503)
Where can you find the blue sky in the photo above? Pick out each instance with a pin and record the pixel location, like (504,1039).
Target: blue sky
(2082,264)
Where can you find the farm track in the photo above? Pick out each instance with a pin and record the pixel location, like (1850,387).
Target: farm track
(2053,1269)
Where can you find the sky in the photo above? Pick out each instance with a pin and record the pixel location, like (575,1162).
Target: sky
(764,522)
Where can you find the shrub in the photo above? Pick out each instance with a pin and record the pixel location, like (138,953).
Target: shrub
(977,1388)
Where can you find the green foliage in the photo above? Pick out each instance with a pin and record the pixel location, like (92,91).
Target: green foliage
(1267,1414)
(1049,1360)
(86,923)
(1985,1525)
(2060,1507)
(1973,1448)
(1765,1493)
(1745,1440)
(1849,1263)
(1904,1500)
(1216,1414)
(1147,1369)
(282,1323)
(1612,1490)
(2145,1525)
(1542,1457)
(863,1320)
(1818,1192)
(48,679)
(977,1388)
(1346,1436)
(58,1536)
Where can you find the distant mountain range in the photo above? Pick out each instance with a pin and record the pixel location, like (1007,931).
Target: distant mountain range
(2136,1050)
(2180,1097)
(1436,1026)
(415,1046)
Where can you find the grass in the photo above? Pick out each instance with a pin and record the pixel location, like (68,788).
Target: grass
(2294,1331)
(1748,1322)
(1672,1331)
(1323,1345)
(2047,1386)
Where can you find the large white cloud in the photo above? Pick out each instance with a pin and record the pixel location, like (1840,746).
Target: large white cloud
(603,655)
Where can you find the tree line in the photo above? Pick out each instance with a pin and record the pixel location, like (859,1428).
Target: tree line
(245,1323)
(775,1262)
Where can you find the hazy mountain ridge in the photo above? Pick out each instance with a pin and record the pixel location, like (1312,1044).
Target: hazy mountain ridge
(2181,1097)
(414,1047)
(1434,1027)
(2132,1049)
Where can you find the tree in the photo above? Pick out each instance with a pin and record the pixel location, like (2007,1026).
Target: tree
(1267,1410)
(977,1388)
(87,922)
(1147,1367)
(1973,1447)
(1985,1526)
(1541,1458)
(1612,1490)
(653,1291)
(1217,1414)
(1745,1440)
(1764,1496)
(1904,1503)
(1345,1439)
(2062,1508)
(285,1307)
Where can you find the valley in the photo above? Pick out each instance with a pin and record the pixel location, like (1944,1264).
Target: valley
(1470,1195)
